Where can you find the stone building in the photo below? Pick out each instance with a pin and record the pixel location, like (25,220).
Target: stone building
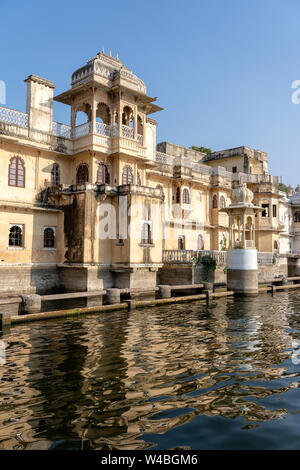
(98,203)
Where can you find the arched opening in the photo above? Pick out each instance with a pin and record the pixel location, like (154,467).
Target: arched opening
(185,196)
(49,237)
(297,217)
(200,242)
(127,123)
(276,245)
(16,172)
(146,233)
(215,201)
(55,175)
(140,130)
(83,120)
(82,173)
(103,176)
(15,235)
(178,195)
(222,202)
(103,118)
(127,177)
(181,242)
(138,179)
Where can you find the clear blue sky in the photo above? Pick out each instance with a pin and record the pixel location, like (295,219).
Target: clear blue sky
(222,69)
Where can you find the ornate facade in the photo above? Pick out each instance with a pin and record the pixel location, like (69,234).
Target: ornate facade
(99,203)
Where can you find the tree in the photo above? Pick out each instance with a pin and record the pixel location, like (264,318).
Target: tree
(201,149)
(283,187)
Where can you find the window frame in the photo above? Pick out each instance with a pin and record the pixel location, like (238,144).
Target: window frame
(19,161)
(14,246)
(81,165)
(47,227)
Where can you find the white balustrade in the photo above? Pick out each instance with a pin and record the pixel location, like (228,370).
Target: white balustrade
(127,132)
(61,130)
(13,117)
(140,139)
(83,129)
(103,129)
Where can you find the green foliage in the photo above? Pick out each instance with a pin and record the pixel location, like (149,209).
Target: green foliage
(283,187)
(223,243)
(201,149)
(207,261)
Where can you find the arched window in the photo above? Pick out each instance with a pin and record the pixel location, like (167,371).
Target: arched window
(185,196)
(138,179)
(127,177)
(55,175)
(82,174)
(222,202)
(146,235)
(103,176)
(16,173)
(178,195)
(15,235)
(297,217)
(215,201)
(181,242)
(200,242)
(276,245)
(49,237)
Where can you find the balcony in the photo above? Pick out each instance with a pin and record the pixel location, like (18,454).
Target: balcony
(187,256)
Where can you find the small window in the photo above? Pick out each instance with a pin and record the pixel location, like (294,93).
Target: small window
(234,169)
(146,235)
(185,196)
(178,195)
(82,174)
(265,212)
(16,173)
(222,202)
(200,242)
(181,242)
(138,179)
(55,175)
(127,177)
(215,201)
(103,176)
(16,235)
(49,237)
(274,210)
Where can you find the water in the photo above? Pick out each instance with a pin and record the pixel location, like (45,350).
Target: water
(182,376)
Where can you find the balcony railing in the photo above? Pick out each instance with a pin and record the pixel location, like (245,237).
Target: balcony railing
(61,130)
(127,132)
(14,117)
(140,139)
(83,129)
(187,256)
(103,129)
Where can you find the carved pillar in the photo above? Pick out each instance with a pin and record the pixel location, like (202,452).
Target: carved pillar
(135,123)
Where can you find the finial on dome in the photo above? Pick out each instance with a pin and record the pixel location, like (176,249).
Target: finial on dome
(117,56)
(110,53)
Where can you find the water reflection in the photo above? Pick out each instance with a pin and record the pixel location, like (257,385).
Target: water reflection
(197,376)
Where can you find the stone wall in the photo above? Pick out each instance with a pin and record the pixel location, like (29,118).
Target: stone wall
(29,280)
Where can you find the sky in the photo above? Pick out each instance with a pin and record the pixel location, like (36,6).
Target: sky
(221,69)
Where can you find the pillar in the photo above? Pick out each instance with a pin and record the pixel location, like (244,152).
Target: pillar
(31,303)
(242,271)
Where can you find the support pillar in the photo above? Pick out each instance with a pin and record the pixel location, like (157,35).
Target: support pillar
(242,271)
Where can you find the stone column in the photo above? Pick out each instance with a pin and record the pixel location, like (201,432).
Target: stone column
(242,271)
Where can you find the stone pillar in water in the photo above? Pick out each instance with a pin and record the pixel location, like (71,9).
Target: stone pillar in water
(242,272)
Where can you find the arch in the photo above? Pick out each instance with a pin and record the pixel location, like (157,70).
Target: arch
(178,195)
(215,201)
(276,245)
(16,235)
(55,175)
(127,177)
(83,114)
(103,176)
(82,173)
(200,242)
(186,196)
(181,242)
(146,233)
(127,116)
(103,113)
(140,127)
(16,172)
(222,202)
(297,217)
(49,237)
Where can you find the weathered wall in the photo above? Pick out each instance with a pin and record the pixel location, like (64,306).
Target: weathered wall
(28,280)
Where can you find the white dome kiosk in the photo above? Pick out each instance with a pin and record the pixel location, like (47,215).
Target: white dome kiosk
(242,275)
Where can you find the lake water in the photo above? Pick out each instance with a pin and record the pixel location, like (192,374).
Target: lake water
(223,376)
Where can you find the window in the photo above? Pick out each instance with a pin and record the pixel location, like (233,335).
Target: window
(103,176)
(275,245)
(234,169)
(222,202)
(16,173)
(55,175)
(274,210)
(297,217)
(146,233)
(178,196)
(127,177)
(200,242)
(199,197)
(82,174)
(265,212)
(16,235)
(138,179)
(49,237)
(215,201)
(185,196)
(181,242)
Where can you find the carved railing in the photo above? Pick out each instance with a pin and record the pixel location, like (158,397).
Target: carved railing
(61,130)
(13,117)
(140,139)
(103,129)
(127,132)
(265,257)
(187,256)
(164,158)
(82,130)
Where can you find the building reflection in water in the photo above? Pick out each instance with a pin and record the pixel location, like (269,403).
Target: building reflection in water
(106,382)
